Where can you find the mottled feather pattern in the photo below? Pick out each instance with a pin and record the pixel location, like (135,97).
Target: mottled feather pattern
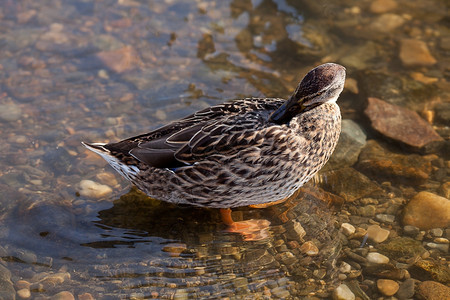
(248,151)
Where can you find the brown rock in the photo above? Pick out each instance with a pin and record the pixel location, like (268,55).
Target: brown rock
(65,295)
(382,6)
(376,161)
(387,287)
(377,234)
(120,60)
(415,53)
(429,269)
(401,124)
(432,290)
(427,211)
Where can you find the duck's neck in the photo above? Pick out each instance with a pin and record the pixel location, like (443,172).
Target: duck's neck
(288,110)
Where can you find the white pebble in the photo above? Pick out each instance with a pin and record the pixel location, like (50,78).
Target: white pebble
(342,292)
(348,229)
(345,267)
(92,189)
(377,258)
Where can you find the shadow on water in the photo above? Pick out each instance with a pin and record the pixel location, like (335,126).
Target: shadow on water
(168,248)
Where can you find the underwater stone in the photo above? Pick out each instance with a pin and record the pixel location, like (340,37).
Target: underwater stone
(92,189)
(426,211)
(402,125)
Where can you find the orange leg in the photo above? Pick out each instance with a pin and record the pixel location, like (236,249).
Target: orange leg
(251,230)
(225,214)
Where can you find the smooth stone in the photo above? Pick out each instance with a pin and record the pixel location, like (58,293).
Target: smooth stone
(351,141)
(343,292)
(437,232)
(426,211)
(24,293)
(348,229)
(349,184)
(65,295)
(442,247)
(377,258)
(86,296)
(345,267)
(382,6)
(415,53)
(402,125)
(410,230)
(309,248)
(432,290)
(367,210)
(10,112)
(406,289)
(280,292)
(92,189)
(387,287)
(377,234)
(120,60)
(385,218)
(386,23)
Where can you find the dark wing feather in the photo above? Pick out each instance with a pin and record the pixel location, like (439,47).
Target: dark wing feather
(224,128)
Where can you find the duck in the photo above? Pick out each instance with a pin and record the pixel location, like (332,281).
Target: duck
(245,152)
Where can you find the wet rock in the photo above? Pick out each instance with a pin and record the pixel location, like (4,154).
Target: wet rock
(442,247)
(349,184)
(65,295)
(10,112)
(387,287)
(402,125)
(351,141)
(432,290)
(342,292)
(86,296)
(309,248)
(7,290)
(120,60)
(24,293)
(415,53)
(406,290)
(377,258)
(430,270)
(386,23)
(410,230)
(382,6)
(348,229)
(426,211)
(92,189)
(385,218)
(280,292)
(378,162)
(377,234)
(401,247)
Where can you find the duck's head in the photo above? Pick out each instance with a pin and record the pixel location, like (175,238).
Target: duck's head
(323,84)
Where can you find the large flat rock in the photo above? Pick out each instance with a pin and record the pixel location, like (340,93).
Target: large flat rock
(402,125)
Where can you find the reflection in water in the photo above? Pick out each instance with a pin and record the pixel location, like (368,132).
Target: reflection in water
(188,248)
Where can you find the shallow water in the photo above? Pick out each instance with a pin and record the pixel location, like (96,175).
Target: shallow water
(96,71)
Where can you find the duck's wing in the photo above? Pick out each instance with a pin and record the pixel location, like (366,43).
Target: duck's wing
(221,129)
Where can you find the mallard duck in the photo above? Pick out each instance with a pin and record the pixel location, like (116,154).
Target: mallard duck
(245,152)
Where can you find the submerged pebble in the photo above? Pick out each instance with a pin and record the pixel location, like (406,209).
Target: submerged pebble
(92,189)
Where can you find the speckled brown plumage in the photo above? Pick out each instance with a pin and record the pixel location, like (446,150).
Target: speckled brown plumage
(244,152)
